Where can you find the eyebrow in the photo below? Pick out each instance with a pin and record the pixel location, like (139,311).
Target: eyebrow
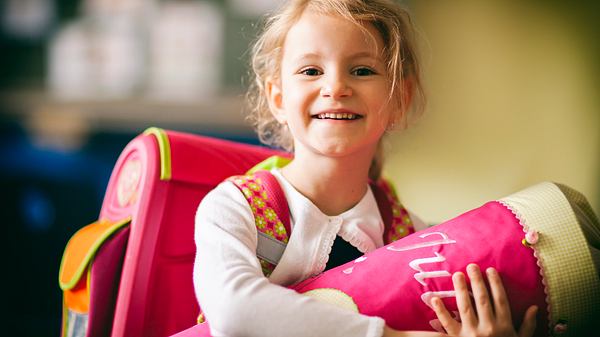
(361,54)
(364,54)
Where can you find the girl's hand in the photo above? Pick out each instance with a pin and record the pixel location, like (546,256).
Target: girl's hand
(488,318)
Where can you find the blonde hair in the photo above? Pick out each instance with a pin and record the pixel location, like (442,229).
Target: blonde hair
(396,29)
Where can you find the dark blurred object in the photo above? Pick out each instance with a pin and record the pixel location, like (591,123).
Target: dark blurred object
(25,27)
(46,196)
(28,19)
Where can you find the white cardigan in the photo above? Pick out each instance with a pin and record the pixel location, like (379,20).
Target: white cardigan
(238,300)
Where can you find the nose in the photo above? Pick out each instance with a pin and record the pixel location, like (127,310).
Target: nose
(335,87)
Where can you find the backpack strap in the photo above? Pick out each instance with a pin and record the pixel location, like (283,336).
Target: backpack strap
(271,215)
(396,220)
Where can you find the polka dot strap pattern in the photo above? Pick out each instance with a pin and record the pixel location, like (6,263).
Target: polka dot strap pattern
(397,222)
(269,207)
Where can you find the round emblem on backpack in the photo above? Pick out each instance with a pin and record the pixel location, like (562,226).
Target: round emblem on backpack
(129,179)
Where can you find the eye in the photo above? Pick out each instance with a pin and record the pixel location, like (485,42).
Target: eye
(363,71)
(310,72)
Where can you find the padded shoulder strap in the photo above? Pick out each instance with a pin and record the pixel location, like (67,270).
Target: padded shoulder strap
(395,217)
(271,215)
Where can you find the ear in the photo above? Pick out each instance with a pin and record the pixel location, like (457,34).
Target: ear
(275,100)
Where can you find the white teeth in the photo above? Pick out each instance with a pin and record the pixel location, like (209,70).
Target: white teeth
(329,115)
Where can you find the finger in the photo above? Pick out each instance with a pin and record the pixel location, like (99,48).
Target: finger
(485,312)
(529,321)
(499,294)
(451,326)
(463,301)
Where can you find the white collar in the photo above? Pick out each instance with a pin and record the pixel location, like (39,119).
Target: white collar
(362,225)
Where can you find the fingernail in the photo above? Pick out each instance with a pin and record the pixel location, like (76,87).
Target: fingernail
(490,270)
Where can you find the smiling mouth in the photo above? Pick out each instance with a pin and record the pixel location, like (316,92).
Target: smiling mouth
(337,116)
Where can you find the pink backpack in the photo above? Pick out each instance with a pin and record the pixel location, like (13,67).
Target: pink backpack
(130,273)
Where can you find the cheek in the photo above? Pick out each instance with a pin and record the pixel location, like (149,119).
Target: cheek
(376,101)
(379,97)
(296,94)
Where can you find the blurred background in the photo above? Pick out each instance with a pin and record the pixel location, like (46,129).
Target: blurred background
(512,86)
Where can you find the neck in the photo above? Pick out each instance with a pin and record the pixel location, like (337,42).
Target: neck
(333,184)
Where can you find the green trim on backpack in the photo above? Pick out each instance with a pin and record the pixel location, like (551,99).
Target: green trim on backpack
(270,163)
(164,148)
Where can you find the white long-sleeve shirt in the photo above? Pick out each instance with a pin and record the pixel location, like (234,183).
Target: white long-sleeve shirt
(238,300)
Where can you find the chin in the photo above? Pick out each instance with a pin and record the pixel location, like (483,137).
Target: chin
(337,150)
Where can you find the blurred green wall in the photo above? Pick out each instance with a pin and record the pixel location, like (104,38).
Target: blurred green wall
(512,100)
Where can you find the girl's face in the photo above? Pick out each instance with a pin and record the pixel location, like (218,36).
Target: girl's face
(333,90)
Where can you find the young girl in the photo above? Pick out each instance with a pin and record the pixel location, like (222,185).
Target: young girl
(332,76)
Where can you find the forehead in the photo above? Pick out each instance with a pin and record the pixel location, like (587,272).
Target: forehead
(323,35)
